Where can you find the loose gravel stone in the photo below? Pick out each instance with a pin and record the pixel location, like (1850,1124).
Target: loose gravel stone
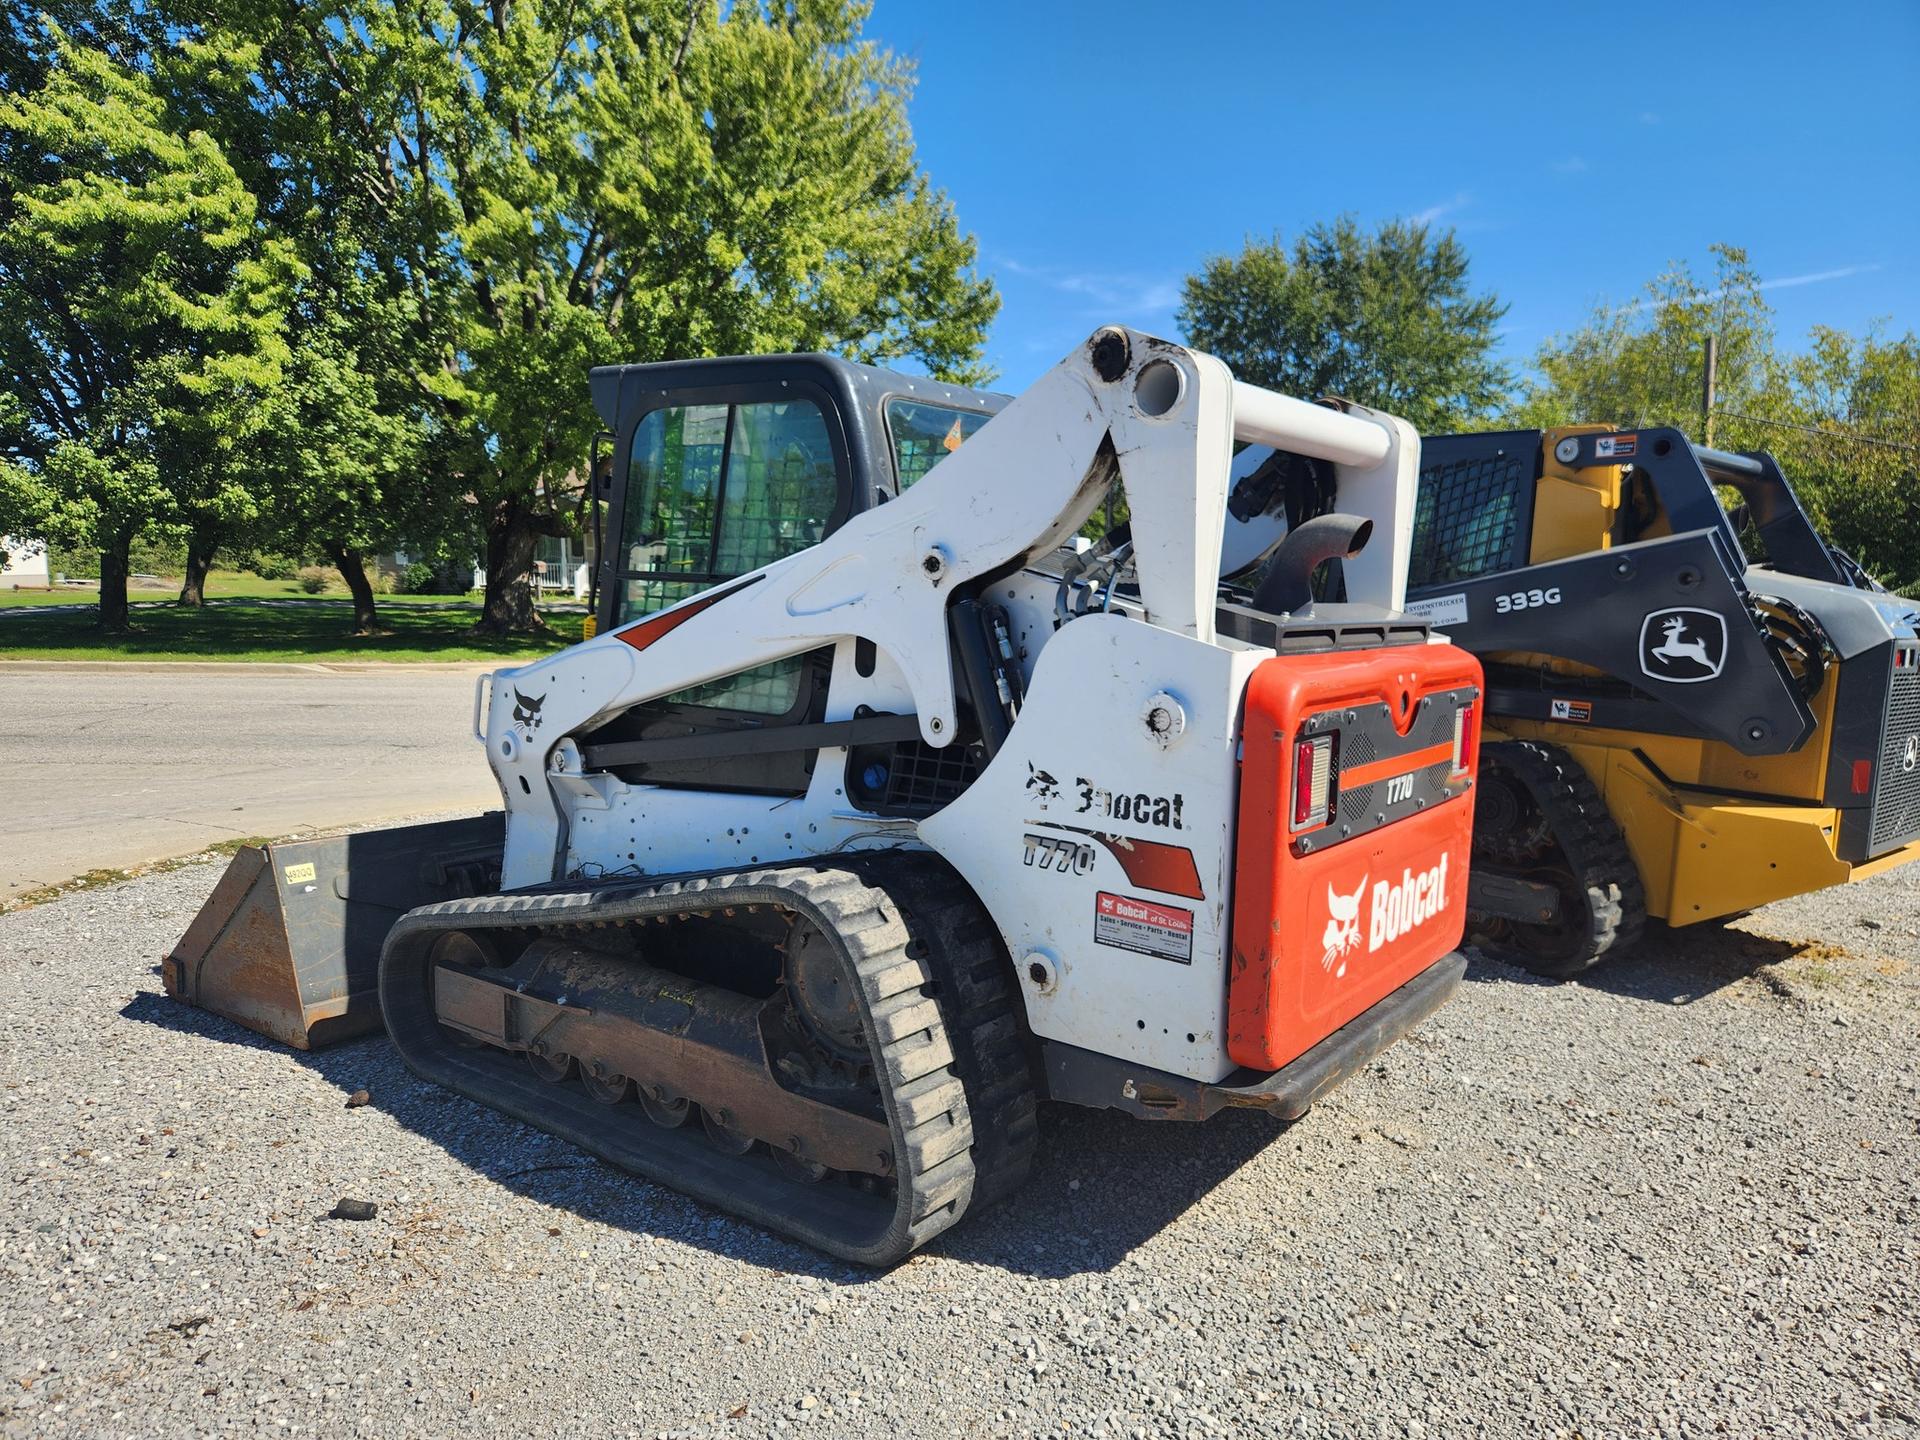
(1678,1197)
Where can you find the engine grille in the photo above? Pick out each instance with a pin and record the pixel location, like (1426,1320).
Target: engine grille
(1467,518)
(1896,800)
(921,779)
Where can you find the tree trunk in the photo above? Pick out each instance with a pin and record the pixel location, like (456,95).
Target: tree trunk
(352,567)
(201,546)
(114,565)
(511,542)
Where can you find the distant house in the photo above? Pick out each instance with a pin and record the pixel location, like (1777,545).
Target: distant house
(26,564)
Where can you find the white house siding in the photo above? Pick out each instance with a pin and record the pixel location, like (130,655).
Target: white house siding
(26,563)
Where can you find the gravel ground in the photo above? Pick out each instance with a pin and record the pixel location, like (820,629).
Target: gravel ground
(1679,1199)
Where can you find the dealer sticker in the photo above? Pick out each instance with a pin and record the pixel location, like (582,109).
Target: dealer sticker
(1440,609)
(300,874)
(1163,931)
(1614,447)
(1578,711)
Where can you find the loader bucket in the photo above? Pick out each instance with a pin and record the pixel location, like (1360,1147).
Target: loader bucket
(288,944)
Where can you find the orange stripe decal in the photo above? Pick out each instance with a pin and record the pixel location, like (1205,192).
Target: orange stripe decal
(1395,765)
(656,627)
(1150,864)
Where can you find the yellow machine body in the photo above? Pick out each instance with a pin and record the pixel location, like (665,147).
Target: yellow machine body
(1714,832)
(1618,783)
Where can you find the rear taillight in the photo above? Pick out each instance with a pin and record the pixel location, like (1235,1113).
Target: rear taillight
(1863,777)
(1465,739)
(1312,781)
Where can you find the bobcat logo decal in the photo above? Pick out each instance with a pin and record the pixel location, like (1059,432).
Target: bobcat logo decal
(1342,935)
(526,711)
(1043,785)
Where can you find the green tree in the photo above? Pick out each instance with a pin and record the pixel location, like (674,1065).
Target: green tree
(1842,416)
(546,185)
(1844,422)
(1643,363)
(141,311)
(1386,319)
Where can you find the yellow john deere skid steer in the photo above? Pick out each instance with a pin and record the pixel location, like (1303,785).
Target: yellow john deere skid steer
(1674,730)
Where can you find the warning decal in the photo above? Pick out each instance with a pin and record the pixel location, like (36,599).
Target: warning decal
(1578,711)
(1614,447)
(1163,931)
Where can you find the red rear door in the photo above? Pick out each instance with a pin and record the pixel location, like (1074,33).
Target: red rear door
(1356,816)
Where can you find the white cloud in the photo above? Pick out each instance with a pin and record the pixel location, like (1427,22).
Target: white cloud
(1785,282)
(1121,293)
(1444,208)
(1845,272)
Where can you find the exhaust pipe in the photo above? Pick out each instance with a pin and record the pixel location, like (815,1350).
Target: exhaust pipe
(1288,587)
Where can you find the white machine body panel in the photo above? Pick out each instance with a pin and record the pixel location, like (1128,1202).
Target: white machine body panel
(1084,812)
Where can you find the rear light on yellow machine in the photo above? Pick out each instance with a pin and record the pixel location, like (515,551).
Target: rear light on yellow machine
(1312,781)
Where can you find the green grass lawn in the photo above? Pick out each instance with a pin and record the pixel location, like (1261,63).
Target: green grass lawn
(221,585)
(421,627)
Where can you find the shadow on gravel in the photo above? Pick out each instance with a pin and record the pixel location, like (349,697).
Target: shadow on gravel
(1134,1177)
(1667,967)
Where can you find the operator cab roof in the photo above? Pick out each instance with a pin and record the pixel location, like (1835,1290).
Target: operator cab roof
(861,390)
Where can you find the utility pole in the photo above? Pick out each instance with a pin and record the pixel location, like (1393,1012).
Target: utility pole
(1706,389)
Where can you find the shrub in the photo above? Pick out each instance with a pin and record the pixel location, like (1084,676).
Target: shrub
(273,567)
(314,579)
(418,579)
(380,581)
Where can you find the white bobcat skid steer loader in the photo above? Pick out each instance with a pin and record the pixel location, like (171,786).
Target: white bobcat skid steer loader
(882,807)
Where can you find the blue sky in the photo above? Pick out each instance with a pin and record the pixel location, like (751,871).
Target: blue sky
(1100,151)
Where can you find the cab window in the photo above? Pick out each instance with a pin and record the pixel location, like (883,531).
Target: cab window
(716,491)
(924,435)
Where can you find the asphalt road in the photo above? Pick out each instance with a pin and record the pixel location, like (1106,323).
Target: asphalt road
(113,766)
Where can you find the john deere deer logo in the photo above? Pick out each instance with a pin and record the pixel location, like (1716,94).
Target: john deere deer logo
(1683,646)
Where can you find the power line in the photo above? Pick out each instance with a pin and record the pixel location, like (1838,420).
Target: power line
(1828,434)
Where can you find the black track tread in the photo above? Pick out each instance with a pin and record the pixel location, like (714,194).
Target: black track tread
(985,1018)
(1595,850)
(944,1017)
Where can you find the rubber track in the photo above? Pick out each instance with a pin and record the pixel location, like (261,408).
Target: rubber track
(1595,851)
(940,1013)
(979,998)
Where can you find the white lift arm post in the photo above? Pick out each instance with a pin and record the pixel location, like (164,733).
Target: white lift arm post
(1377,467)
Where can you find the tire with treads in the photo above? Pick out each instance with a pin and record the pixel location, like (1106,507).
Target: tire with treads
(1604,904)
(938,1008)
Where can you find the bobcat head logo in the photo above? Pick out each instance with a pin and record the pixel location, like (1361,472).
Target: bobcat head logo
(1343,926)
(526,710)
(1043,785)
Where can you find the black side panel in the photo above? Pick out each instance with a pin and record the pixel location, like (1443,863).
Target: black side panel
(1611,609)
